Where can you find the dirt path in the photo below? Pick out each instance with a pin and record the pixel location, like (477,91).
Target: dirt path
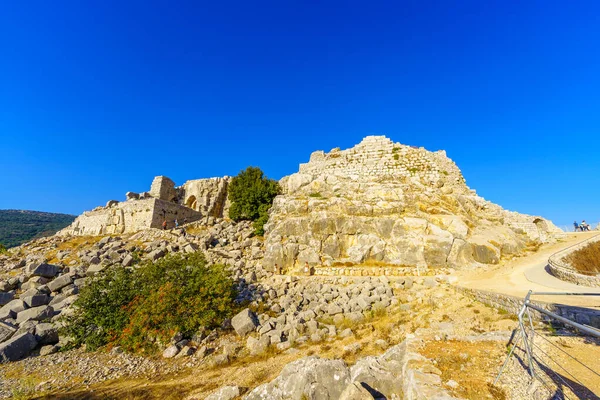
(516,277)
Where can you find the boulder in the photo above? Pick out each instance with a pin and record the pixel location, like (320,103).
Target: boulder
(127,261)
(156,254)
(37,314)
(258,346)
(46,333)
(310,378)
(36,300)
(60,283)
(42,269)
(17,347)
(170,351)
(49,349)
(244,322)
(11,309)
(225,393)
(94,269)
(6,331)
(6,297)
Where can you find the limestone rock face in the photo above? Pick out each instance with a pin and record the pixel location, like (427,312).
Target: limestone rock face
(308,378)
(383,202)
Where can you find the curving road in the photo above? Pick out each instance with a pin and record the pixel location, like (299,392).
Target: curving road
(516,277)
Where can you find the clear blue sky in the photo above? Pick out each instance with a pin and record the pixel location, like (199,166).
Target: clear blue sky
(98,97)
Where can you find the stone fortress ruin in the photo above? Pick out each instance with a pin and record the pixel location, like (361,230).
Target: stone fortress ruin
(378,202)
(194,200)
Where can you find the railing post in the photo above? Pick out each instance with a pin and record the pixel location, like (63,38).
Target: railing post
(524,333)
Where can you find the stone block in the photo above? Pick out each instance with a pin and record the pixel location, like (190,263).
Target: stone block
(11,309)
(36,300)
(6,331)
(244,322)
(17,347)
(42,269)
(46,333)
(6,297)
(59,283)
(37,314)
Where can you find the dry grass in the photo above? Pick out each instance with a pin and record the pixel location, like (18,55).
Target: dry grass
(586,260)
(72,244)
(391,325)
(471,365)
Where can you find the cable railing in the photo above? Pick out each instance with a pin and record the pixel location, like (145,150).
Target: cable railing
(545,361)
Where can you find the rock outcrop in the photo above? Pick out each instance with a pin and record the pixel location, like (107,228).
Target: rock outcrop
(389,204)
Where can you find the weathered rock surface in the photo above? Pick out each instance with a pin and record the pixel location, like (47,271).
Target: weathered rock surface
(383,202)
(307,378)
(244,322)
(17,347)
(225,393)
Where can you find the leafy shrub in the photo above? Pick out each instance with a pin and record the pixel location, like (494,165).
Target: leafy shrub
(3,249)
(141,308)
(251,195)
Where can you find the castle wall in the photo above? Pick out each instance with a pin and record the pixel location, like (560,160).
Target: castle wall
(129,216)
(377,157)
(208,196)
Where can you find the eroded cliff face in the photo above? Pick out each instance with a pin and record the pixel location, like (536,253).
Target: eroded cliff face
(385,203)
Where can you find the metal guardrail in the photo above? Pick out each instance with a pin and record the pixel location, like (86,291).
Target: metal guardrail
(527,333)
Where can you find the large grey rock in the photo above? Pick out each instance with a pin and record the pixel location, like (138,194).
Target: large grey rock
(94,269)
(258,346)
(6,297)
(27,326)
(11,309)
(37,314)
(42,269)
(59,283)
(225,393)
(171,351)
(46,333)
(6,331)
(17,347)
(127,261)
(156,254)
(308,378)
(35,300)
(64,303)
(244,322)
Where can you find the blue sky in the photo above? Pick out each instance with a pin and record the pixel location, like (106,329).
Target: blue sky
(96,98)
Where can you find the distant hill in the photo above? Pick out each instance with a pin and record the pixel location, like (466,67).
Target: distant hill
(20,226)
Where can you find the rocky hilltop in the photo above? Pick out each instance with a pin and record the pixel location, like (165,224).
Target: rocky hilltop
(386,204)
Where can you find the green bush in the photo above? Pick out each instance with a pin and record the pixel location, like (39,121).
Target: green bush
(251,195)
(142,308)
(3,249)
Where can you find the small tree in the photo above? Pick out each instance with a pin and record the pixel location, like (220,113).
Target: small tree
(251,195)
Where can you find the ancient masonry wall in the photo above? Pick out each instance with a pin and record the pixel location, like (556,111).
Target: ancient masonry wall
(208,196)
(129,216)
(378,157)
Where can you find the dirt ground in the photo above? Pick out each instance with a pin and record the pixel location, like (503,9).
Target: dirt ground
(432,307)
(521,274)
